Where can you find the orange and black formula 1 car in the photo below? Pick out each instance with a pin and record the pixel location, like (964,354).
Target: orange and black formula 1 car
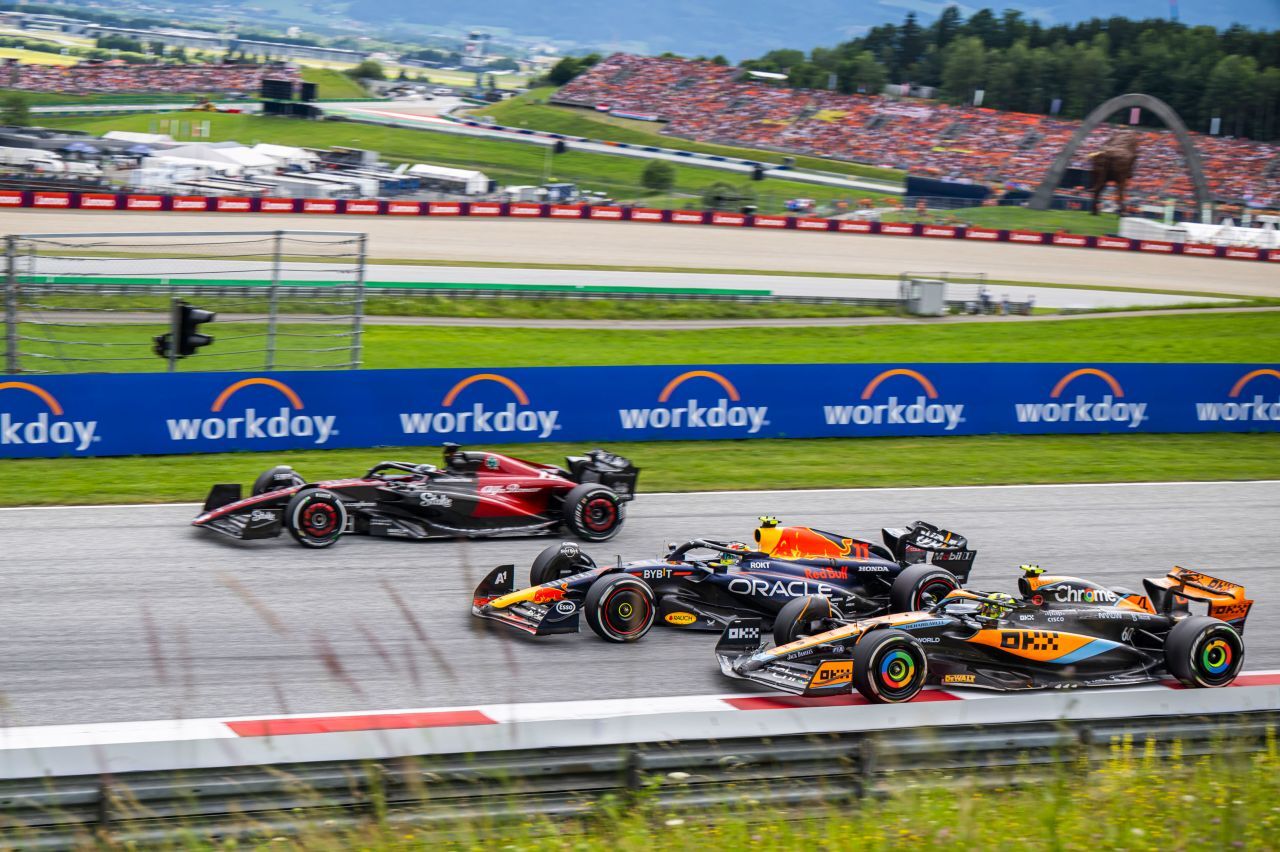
(1063,632)
(915,567)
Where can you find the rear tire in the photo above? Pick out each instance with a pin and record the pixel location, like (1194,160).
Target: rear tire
(620,608)
(277,479)
(920,587)
(801,617)
(1204,652)
(558,561)
(889,667)
(593,512)
(315,517)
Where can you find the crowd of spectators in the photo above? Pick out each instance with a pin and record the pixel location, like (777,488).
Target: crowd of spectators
(118,78)
(711,103)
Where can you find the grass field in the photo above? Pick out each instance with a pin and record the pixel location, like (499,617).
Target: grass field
(704,465)
(1073,221)
(1174,338)
(36,57)
(332,84)
(506,162)
(531,110)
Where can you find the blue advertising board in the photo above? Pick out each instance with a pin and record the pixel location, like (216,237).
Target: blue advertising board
(106,415)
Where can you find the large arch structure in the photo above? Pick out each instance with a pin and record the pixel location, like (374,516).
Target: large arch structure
(1044,192)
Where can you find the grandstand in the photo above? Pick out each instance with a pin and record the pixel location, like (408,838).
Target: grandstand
(120,78)
(712,103)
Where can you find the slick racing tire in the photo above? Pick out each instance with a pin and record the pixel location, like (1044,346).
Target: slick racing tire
(315,517)
(801,617)
(1203,651)
(889,666)
(278,478)
(620,608)
(593,512)
(557,562)
(920,587)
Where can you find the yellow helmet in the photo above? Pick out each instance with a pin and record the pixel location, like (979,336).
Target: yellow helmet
(991,609)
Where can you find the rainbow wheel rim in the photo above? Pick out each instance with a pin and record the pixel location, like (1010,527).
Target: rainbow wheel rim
(1217,656)
(897,669)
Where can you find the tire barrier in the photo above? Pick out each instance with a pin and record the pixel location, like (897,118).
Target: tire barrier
(48,200)
(167,413)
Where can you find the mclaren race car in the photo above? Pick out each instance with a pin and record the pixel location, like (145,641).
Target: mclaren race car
(915,567)
(1062,632)
(474,493)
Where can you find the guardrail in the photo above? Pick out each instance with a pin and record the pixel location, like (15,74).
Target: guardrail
(246,776)
(50,200)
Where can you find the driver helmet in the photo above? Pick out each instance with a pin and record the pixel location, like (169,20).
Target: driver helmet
(727,559)
(992,610)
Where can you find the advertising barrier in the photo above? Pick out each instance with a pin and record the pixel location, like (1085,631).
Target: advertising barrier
(104,415)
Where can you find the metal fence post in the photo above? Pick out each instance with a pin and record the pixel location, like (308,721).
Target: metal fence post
(11,305)
(274,296)
(357,327)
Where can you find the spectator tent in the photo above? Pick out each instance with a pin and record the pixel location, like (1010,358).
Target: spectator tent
(445,179)
(286,156)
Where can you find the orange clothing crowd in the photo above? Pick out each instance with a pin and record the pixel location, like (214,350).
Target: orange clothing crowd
(711,103)
(141,79)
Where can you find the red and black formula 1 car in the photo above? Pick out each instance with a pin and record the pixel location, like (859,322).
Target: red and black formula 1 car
(1062,632)
(474,494)
(914,567)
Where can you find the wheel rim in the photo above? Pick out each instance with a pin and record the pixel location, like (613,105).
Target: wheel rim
(319,520)
(899,672)
(626,612)
(599,514)
(933,591)
(1218,657)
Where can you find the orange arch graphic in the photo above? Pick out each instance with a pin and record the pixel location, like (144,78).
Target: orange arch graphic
(699,374)
(929,389)
(521,396)
(288,392)
(48,398)
(1237,387)
(1086,371)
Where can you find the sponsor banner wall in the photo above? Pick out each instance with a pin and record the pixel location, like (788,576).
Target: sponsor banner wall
(88,415)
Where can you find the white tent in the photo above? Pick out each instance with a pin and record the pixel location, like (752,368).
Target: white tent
(244,158)
(139,138)
(456,180)
(284,155)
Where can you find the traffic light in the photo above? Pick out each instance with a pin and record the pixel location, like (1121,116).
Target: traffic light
(184,323)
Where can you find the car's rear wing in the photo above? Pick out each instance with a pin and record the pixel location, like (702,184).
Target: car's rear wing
(1226,600)
(924,542)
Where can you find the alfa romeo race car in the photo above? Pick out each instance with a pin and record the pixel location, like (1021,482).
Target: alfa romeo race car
(1062,632)
(915,567)
(474,493)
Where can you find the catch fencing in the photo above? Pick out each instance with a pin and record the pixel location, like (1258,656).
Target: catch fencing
(54,324)
(217,412)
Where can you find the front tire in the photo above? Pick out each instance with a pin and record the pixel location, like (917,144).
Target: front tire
(620,608)
(277,478)
(1204,652)
(920,587)
(315,517)
(558,561)
(593,512)
(889,666)
(801,617)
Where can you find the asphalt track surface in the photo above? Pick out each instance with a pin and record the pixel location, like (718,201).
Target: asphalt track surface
(620,244)
(128,613)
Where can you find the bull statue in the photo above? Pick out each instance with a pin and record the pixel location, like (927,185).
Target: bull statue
(1113,163)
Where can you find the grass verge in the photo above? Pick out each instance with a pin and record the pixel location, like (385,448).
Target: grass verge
(331,84)
(705,465)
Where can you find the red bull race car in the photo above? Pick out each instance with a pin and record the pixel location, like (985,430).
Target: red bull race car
(1062,632)
(915,567)
(473,494)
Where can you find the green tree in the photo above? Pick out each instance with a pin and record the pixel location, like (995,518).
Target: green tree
(564,71)
(864,73)
(367,70)
(964,68)
(1231,90)
(658,175)
(14,110)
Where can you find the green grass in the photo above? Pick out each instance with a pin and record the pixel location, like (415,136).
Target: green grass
(531,110)
(506,162)
(332,84)
(705,465)
(1014,218)
(1173,338)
